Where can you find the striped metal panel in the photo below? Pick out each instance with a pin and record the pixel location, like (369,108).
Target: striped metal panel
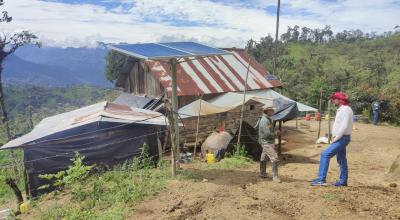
(216,74)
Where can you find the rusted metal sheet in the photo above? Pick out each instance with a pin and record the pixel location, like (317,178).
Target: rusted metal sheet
(217,74)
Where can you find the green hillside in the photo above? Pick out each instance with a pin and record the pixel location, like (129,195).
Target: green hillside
(365,66)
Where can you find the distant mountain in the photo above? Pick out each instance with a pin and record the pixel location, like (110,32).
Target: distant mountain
(19,71)
(51,66)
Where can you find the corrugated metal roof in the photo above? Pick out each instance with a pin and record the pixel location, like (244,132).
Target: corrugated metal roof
(103,111)
(217,74)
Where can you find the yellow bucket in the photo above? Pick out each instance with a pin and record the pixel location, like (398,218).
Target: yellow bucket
(210,158)
(24,207)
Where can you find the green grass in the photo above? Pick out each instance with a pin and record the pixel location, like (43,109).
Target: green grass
(108,195)
(114,194)
(231,163)
(228,163)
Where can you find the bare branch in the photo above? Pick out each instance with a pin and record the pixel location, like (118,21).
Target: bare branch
(21,39)
(5,17)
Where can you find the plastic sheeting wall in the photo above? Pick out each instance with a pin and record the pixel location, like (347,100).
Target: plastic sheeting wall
(107,144)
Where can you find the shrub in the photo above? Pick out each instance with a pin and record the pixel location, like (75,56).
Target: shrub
(75,172)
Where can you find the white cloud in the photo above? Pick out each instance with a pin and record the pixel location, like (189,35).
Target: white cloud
(228,23)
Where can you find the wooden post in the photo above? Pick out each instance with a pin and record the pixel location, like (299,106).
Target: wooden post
(174,100)
(17,192)
(160,150)
(27,186)
(173,136)
(242,109)
(329,122)
(280,138)
(30,117)
(197,129)
(297,123)
(320,109)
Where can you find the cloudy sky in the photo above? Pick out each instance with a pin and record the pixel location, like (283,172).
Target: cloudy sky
(223,23)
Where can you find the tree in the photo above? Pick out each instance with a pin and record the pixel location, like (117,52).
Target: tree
(305,34)
(9,43)
(117,64)
(295,33)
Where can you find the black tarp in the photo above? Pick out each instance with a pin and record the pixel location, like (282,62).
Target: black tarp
(285,110)
(249,138)
(102,143)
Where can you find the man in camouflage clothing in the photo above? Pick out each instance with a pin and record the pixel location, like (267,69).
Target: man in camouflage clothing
(266,138)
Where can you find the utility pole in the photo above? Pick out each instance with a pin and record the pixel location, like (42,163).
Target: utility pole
(276,34)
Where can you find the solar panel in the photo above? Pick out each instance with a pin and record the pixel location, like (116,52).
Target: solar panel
(194,48)
(156,51)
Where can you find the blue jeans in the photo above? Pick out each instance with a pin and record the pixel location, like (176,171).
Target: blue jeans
(339,149)
(376,115)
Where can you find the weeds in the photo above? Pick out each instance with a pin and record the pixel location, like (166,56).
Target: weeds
(234,160)
(111,194)
(76,172)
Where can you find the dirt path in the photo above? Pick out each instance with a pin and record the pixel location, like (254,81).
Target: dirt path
(239,194)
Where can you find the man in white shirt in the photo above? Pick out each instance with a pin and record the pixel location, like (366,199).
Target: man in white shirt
(341,131)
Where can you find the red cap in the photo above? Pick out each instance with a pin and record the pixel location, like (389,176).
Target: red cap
(341,96)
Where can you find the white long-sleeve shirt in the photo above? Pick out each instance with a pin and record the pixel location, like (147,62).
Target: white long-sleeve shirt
(343,124)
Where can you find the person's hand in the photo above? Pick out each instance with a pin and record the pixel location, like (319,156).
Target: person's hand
(334,139)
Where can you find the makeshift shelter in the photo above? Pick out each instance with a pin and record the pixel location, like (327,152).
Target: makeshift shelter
(224,111)
(272,94)
(184,71)
(105,133)
(206,76)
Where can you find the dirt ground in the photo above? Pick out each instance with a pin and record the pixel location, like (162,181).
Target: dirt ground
(240,194)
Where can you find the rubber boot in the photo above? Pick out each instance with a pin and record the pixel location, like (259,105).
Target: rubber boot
(263,169)
(275,176)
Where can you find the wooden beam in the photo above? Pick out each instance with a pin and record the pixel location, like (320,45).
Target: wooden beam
(160,150)
(320,110)
(171,124)
(280,138)
(242,109)
(174,100)
(329,122)
(197,128)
